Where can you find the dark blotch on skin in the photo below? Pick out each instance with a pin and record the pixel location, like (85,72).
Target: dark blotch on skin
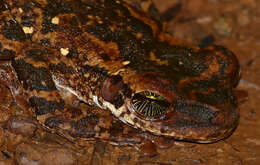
(195,111)
(51,10)
(62,68)
(36,54)
(73,53)
(53,122)
(12,31)
(180,122)
(33,78)
(206,41)
(85,126)
(6,54)
(42,106)
(171,12)
(27,21)
(105,57)
(76,112)
(118,102)
(217,97)
(45,42)
(193,64)
(116,128)
(5,153)
(95,69)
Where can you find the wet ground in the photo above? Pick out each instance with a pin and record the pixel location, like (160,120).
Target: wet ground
(233,23)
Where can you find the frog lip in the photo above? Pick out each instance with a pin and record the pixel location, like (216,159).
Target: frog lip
(186,120)
(213,129)
(193,127)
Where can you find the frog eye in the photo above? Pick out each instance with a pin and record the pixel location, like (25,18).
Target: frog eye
(149,104)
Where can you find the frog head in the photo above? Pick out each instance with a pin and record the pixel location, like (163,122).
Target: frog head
(178,92)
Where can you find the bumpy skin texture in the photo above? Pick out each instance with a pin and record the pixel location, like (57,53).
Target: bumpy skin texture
(105,52)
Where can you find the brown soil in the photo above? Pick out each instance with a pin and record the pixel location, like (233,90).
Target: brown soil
(233,23)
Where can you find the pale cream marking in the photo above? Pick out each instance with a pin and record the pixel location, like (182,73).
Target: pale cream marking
(180,63)
(95,100)
(55,20)
(118,71)
(129,119)
(28,30)
(100,21)
(20,10)
(64,51)
(90,16)
(126,62)
(60,86)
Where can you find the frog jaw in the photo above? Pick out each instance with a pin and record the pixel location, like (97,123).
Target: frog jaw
(180,125)
(185,120)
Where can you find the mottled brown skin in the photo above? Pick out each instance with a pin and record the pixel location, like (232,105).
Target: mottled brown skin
(105,52)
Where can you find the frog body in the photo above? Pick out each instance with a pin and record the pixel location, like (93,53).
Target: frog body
(113,56)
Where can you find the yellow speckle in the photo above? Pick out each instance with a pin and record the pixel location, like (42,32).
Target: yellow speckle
(20,10)
(90,23)
(100,22)
(180,63)
(139,35)
(90,16)
(112,27)
(118,2)
(55,20)
(126,62)
(28,30)
(86,75)
(64,51)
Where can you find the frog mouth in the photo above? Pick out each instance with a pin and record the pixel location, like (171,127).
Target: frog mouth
(182,120)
